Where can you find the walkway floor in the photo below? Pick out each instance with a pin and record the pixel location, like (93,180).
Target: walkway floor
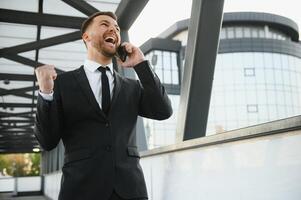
(9,196)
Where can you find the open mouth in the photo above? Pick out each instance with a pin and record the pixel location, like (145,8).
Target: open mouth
(110,39)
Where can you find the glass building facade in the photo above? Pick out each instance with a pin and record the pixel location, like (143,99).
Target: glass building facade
(253,87)
(256,80)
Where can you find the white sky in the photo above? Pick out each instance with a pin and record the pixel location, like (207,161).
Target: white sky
(158,15)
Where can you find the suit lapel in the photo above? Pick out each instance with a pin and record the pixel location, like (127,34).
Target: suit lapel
(83,82)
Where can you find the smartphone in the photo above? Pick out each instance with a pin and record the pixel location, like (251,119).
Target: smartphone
(121,53)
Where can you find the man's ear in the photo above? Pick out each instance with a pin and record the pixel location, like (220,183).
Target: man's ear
(86,37)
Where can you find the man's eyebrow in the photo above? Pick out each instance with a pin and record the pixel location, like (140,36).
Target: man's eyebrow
(106,21)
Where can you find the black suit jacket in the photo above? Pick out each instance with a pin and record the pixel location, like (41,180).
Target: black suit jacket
(100,151)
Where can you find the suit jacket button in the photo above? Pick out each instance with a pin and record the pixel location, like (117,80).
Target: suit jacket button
(107,124)
(109,148)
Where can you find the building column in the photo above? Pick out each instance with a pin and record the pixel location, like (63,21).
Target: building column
(202,46)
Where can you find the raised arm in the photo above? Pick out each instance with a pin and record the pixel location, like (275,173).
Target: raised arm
(48,120)
(154,102)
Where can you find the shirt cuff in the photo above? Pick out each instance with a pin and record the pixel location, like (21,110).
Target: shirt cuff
(48,97)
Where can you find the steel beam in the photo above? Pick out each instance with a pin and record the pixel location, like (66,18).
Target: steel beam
(20,145)
(69,37)
(16,150)
(18,90)
(21,114)
(18,105)
(17,140)
(15,121)
(4,92)
(17,77)
(82,6)
(32,18)
(12,132)
(26,61)
(25,129)
(201,51)
(22,60)
(128,11)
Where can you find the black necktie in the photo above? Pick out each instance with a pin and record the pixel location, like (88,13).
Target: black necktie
(106,98)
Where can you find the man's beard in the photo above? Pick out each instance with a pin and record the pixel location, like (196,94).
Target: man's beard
(103,50)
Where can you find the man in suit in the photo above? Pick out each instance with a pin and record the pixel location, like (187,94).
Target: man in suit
(94,111)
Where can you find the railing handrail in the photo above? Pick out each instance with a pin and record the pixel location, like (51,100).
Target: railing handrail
(269,128)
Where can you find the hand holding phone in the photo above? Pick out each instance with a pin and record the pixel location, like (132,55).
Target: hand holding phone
(121,53)
(129,55)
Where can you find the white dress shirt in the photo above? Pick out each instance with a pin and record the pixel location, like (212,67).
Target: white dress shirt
(94,78)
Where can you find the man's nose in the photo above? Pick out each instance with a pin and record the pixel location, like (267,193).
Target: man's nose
(113,28)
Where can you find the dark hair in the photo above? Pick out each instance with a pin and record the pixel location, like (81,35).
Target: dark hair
(88,21)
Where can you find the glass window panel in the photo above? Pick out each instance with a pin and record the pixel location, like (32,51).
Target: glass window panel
(230,98)
(268,60)
(261,97)
(219,100)
(277,61)
(247,32)
(166,60)
(167,76)
(252,108)
(280,97)
(238,61)
(175,77)
(271,97)
(288,98)
(248,59)
(279,37)
(238,76)
(286,77)
(254,32)
(273,113)
(251,96)
(260,77)
(291,63)
(231,113)
(278,77)
(238,32)
(269,75)
(261,33)
(284,61)
(263,113)
(249,71)
(281,111)
(159,60)
(227,61)
(174,65)
(230,32)
(258,57)
(241,112)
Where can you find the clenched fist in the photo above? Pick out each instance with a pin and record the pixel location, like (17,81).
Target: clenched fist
(46,75)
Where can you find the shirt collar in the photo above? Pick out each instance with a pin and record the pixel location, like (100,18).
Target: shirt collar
(92,66)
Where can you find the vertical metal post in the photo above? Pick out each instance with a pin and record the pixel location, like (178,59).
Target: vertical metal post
(202,47)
